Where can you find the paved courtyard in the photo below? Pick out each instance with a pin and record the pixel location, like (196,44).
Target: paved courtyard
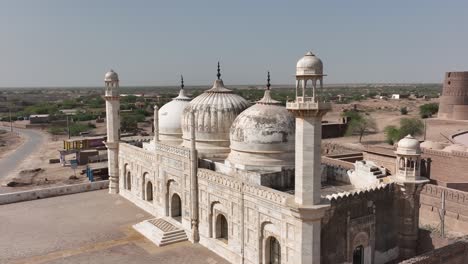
(92,227)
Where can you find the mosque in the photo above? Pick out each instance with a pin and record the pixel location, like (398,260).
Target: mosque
(248,181)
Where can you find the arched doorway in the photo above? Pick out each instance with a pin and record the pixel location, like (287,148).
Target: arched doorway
(272,251)
(222,228)
(149,191)
(358,255)
(176,207)
(129,181)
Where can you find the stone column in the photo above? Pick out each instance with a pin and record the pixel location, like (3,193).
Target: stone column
(308,160)
(308,206)
(193,179)
(408,217)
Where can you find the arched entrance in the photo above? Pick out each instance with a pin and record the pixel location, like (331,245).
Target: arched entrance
(176,207)
(272,251)
(222,228)
(358,255)
(149,191)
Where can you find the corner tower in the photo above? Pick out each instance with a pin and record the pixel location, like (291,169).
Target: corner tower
(409,184)
(308,110)
(111,82)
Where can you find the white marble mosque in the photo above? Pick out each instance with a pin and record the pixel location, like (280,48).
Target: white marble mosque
(247,182)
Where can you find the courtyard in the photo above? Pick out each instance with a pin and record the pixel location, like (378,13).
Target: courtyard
(91,227)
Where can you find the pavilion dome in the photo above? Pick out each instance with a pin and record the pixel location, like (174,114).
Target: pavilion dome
(111,76)
(214,111)
(408,146)
(170,116)
(263,135)
(309,65)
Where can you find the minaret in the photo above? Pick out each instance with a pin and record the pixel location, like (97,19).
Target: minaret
(111,81)
(308,110)
(409,184)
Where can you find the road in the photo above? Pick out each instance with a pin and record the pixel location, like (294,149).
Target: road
(32,141)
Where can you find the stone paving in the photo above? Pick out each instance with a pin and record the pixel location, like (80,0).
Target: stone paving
(92,227)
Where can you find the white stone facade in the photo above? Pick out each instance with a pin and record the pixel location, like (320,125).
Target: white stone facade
(254,213)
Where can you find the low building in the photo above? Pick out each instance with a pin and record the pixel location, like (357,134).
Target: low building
(39,119)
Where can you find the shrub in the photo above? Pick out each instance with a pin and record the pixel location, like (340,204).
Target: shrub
(404,111)
(427,110)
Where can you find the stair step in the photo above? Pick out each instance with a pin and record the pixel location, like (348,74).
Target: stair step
(161,231)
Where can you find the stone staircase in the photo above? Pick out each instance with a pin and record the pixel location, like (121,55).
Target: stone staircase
(161,231)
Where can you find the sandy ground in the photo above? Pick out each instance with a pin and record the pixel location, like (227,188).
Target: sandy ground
(92,227)
(387,112)
(9,141)
(49,175)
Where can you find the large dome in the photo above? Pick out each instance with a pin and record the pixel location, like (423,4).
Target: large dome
(263,135)
(214,111)
(309,65)
(170,117)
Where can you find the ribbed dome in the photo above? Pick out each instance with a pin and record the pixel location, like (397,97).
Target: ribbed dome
(263,135)
(170,116)
(309,65)
(408,146)
(111,76)
(214,112)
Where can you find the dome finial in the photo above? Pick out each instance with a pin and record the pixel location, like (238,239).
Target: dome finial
(219,72)
(268,81)
(182,82)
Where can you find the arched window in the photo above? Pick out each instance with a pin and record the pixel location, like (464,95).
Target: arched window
(129,181)
(358,255)
(272,251)
(222,228)
(149,191)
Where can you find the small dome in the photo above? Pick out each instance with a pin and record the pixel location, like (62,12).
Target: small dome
(214,112)
(455,147)
(170,116)
(111,76)
(263,135)
(309,65)
(432,145)
(409,146)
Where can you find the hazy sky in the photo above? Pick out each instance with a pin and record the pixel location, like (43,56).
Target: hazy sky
(74,42)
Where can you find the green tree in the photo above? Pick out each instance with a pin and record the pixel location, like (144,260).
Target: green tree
(408,126)
(411,126)
(359,124)
(392,134)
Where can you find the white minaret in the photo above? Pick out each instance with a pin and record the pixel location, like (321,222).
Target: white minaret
(111,81)
(308,110)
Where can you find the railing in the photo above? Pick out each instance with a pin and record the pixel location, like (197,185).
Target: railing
(305,103)
(132,151)
(180,151)
(261,192)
